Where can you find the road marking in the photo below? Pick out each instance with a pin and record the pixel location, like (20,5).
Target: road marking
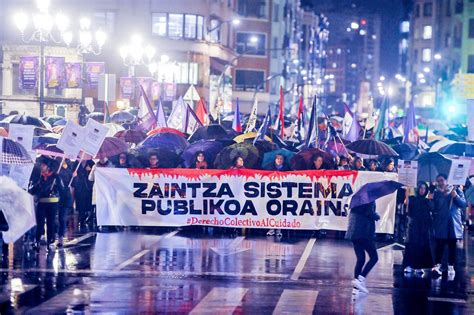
(299,267)
(220,301)
(79,239)
(143,252)
(231,248)
(392,246)
(447,300)
(296,302)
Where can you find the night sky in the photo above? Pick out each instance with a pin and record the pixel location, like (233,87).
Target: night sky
(391,12)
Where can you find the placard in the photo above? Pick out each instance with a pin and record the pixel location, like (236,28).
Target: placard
(23,134)
(21,174)
(94,136)
(408,173)
(459,172)
(71,139)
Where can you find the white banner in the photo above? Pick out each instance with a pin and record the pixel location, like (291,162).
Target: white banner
(305,200)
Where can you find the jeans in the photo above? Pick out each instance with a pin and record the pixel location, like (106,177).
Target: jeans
(360,247)
(440,247)
(46,211)
(62,219)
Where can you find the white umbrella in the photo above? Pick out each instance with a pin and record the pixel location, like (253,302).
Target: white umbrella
(440,144)
(113,129)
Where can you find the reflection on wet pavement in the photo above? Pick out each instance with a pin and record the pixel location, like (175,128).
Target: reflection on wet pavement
(182,272)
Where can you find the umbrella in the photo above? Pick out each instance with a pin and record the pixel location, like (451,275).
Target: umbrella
(459,149)
(97,116)
(121,117)
(58,129)
(113,129)
(336,146)
(431,164)
(371,147)
(27,120)
(373,191)
(60,122)
(210,132)
(437,145)
(110,147)
(247,151)
(52,119)
(169,141)
(49,150)
(303,160)
(249,136)
(13,153)
(393,141)
(165,129)
(131,136)
(167,158)
(49,138)
(406,151)
(210,148)
(269,157)
(3,132)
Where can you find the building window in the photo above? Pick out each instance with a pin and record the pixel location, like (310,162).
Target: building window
(276,12)
(274,47)
(405,27)
(175,25)
(427,32)
(417,10)
(215,34)
(190,24)
(459,8)
(471,28)
(252,8)
(105,20)
(158,24)
(251,44)
(415,55)
(249,80)
(426,55)
(428,9)
(200,27)
(179,72)
(470,64)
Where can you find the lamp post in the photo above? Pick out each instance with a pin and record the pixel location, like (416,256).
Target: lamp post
(43,32)
(136,54)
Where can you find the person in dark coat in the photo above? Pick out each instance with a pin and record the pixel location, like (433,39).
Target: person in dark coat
(83,190)
(449,205)
(279,164)
(48,189)
(200,161)
(417,254)
(65,201)
(361,231)
(123,161)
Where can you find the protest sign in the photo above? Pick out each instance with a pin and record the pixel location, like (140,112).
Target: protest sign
(408,173)
(71,139)
(459,172)
(21,174)
(23,134)
(235,198)
(94,135)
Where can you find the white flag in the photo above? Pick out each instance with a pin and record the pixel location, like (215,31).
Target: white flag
(253,117)
(177,118)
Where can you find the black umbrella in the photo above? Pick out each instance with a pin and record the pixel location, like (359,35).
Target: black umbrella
(406,151)
(97,116)
(431,164)
(210,132)
(247,151)
(27,120)
(371,147)
(167,158)
(459,149)
(121,117)
(303,160)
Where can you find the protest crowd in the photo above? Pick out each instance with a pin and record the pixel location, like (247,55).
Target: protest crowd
(430,213)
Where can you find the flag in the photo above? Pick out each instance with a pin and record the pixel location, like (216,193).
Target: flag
(382,123)
(312,135)
(160,116)
(262,131)
(146,116)
(192,121)
(236,125)
(370,121)
(281,117)
(177,118)
(410,129)
(347,122)
(253,117)
(354,131)
(201,112)
(301,121)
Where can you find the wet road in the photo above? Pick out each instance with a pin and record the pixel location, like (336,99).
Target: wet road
(187,271)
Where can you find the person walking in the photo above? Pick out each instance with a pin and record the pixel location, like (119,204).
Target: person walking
(361,231)
(47,189)
(65,201)
(82,190)
(449,204)
(417,256)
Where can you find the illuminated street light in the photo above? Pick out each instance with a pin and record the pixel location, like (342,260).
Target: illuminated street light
(254,39)
(136,54)
(437,56)
(355,25)
(426,70)
(382,78)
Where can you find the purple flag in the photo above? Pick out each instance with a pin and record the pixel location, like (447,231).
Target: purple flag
(354,131)
(145,112)
(262,131)
(28,76)
(410,129)
(192,121)
(55,72)
(73,75)
(93,71)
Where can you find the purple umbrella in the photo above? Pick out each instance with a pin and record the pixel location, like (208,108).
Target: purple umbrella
(110,147)
(373,191)
(209,147)
(166,140)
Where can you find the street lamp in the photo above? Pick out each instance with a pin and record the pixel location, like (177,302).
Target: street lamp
(136,54)
(219,24)
(43,32)
(85,45)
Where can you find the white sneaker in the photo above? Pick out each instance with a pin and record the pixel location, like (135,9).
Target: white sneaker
(437,270)
(271,233)
(451,272)
(408,269)
(360,284)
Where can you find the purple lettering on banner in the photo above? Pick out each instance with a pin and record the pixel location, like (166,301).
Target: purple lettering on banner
(55,72)
(73,75)
(93,70)
(28,72)
(127,88)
